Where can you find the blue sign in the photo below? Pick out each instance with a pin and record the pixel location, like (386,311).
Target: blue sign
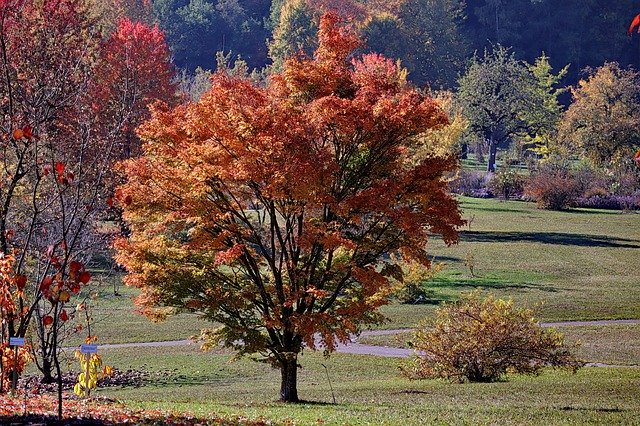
(16,341)
(88,349)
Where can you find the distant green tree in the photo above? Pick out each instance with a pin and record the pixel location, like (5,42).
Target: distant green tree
(498,97)
(577,32)
(425,35)
(543,121)
(295,32)
(198,29)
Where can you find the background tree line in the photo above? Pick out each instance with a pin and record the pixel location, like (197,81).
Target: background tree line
(433,38)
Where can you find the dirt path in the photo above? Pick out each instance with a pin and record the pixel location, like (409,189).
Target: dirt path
(384,351)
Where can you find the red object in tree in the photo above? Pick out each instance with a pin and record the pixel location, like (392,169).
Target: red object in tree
(47,321)
(635,24)
(636,158)
(46,284)
(27,132)
(85,277)
(75,266)
(59,168)
(21,281)
(63,315)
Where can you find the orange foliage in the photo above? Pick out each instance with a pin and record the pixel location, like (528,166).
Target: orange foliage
(269,209)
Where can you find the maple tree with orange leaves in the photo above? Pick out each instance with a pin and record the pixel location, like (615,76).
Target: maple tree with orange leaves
(280,212)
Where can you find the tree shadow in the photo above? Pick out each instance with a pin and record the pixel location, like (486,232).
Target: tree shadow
(488,284)
(556,238)
(502,210)
(602,410)
(585,211)
(451,259)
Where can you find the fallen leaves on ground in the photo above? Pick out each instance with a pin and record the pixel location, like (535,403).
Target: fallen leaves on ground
(42,409)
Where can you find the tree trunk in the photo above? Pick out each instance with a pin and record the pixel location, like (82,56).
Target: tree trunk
(464,151)
(289,383)
(47,371)
(493,149)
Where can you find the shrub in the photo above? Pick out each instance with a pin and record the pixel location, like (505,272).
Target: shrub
(610,201)
(552,187)
(415,294)
(507,183)
(471,184)
(482,340)
(411,289)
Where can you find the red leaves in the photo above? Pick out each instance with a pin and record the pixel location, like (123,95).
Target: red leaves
(324,153)
(636,158)
(136,59)
(75,267)
(42,409)
(85,277)
(21,281)
(47,320)
(26,132)
(78,274)
(64,316)
(634,24)
(229,256)
(45,286)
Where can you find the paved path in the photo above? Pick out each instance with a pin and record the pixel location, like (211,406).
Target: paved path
(385,351)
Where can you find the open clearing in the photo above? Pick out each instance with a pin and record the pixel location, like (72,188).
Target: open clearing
(576,265)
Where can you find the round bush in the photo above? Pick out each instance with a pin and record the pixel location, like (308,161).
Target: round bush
(480,340)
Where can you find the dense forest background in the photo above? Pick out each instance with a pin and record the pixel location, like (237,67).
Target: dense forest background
(433,38)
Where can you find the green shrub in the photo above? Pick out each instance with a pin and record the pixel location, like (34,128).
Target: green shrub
(480,340)
(507,183)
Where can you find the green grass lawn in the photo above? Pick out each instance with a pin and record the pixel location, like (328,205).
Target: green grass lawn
(579,264)
(574,265)
(368,390)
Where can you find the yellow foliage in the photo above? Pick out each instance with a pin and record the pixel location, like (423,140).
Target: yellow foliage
(481,340)
(442,140)
(89,364)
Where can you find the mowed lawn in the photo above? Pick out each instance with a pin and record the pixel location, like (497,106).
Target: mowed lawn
(369,391)
(575,265)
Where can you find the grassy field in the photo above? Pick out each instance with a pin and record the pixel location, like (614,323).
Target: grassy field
(575,265)
(580,264)
(368,390)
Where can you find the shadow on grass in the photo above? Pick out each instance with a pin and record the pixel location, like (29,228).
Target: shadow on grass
(451,259)
(487,283)
(556,238)
(600,410)
(502,209)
